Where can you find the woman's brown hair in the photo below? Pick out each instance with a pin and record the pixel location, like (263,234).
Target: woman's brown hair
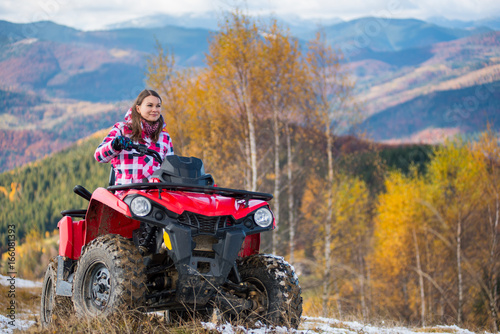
(136,125)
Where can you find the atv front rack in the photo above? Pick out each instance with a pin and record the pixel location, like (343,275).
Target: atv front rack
(210,190)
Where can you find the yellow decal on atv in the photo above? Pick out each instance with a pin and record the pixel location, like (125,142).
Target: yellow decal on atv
(166,240)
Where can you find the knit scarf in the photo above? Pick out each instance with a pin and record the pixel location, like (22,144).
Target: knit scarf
(150,128)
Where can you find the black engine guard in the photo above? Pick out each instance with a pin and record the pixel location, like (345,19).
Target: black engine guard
(201,277)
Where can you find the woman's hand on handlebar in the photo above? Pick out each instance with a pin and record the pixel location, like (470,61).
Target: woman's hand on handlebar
(122,143)
(125,143)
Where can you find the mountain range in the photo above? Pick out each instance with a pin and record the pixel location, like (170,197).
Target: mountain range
(417,81)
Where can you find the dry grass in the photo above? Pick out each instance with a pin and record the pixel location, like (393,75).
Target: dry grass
(120,323)
(27,300)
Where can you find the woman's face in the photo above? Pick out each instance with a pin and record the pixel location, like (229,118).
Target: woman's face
(150,108)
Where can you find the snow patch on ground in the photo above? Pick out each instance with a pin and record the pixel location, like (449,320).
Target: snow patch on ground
(311,325)
(230,329)
(19,282)
(8,325)
(325,325)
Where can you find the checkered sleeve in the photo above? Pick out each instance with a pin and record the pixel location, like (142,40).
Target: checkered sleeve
(105,152)
(167,148)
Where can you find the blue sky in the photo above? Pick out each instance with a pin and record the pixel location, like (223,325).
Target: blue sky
(93,14)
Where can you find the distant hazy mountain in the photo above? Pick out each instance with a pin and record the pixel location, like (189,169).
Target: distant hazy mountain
(185,42)
(209,21)
(387,35)
(205,21)
(92,66)
(44,30)
(101,65)
(492,23)
(452,111)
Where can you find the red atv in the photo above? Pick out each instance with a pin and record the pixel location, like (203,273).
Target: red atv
(176,243)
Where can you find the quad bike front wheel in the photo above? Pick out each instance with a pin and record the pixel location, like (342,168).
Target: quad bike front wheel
(53,306)
(110,276)
(276,290)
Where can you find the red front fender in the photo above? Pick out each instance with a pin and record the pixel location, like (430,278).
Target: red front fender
(107,214)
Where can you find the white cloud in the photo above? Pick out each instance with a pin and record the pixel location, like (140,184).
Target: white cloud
(463,9)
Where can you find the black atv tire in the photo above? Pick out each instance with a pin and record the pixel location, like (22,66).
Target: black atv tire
(110,276)
(53,307)
(278,290)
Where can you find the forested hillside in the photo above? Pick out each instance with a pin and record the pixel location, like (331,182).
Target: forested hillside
(32,128)
(463,110)
(33,196)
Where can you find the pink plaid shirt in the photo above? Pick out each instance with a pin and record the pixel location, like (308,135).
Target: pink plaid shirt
(130,168)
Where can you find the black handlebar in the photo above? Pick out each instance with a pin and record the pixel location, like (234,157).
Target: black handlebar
(144,150)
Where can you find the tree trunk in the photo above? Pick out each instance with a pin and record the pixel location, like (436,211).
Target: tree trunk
(326,272)
(420,279)
(277,177)
(291,217)
(253,144)
(369,288)
(493,271)
(329,222)
(361,275)
(459,272)
(248,170)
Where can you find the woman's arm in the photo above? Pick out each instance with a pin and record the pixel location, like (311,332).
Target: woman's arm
(105,151)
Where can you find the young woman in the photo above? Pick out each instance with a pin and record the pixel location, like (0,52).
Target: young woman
(143,125)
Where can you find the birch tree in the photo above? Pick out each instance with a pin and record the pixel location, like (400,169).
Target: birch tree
(283,81)
(332,93)
(233,60)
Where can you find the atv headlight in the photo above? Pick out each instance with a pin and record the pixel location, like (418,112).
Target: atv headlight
(140,206)
(263,217)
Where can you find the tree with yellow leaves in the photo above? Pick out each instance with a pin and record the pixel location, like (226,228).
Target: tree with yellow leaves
(436,250)
(397,258)
(15,188)
(349,245)
(234,71)
(487,149)
(458,179)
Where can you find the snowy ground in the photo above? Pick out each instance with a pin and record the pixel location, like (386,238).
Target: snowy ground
(22,320)
(311,325)
(7,326)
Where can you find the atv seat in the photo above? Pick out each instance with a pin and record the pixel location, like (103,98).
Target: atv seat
(75,213)
(183,170)
(79,213)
